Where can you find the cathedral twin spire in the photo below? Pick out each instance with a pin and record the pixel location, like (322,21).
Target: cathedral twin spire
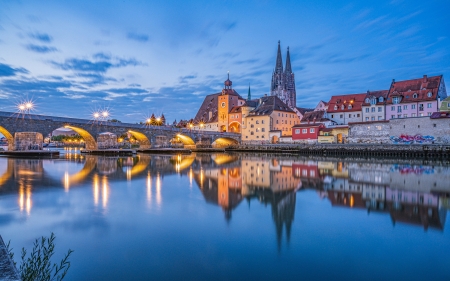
(283,82)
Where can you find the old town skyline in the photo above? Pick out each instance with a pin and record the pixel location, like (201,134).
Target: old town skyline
(69,72)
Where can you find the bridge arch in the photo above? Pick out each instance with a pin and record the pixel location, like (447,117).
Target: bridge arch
(235,127)
(8,136)
(144,142)
(186,140)
(89,140)
(224,141)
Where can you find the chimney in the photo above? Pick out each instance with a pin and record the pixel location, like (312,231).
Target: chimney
(425,79)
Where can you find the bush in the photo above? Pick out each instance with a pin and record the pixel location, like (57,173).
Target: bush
(38,266)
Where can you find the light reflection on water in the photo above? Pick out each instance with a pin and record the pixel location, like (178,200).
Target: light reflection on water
(144,203)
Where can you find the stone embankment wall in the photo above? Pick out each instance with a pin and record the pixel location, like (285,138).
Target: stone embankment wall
(107,141)
(422,130)
(374,150)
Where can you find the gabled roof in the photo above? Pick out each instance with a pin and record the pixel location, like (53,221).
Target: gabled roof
(376,94)
(236,109)
(307,125)
(270,104)
(415,90)
(314,116)
(303,110)
(210,104)
(342,103)
(251,103)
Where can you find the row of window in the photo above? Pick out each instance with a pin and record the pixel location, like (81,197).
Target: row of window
(349,116)
(373,118)
(406,115)
(413,106)
(305,131)
(286,114)
(380,109)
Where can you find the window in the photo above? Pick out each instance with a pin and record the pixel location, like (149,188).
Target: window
(342,106)
(367,118)
(405,115)
(429,105)
(251,133)
(332,115)
(341,116)
(277,121)
(373,109)
(252,126)
(399,116)
(415,95)
(257,129)
(335,107)
(357,115)
(396,100)
(429,113)
(413,115)
(349,116)
(312,130)
(304,131)
(405,107)
(367,110)
(392,108)
(420,114)
(297,131)
(262,121)
(373,118)
(257,121)
(429,94)
(380,109)
(399,108)
(413,106)
(278,114)
(380,118)
(381,99)
(421,107)
(392,116)
(350,106)
(367,100)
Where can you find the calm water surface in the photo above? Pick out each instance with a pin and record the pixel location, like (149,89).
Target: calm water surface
(232,217)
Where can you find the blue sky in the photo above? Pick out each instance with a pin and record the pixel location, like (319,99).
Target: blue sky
(143,57)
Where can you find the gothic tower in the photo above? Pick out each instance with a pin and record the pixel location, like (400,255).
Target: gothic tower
(283,82)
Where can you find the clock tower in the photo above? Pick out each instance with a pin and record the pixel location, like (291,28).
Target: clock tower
(228,99)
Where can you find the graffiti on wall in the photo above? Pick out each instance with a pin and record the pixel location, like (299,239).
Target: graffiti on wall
(407,139)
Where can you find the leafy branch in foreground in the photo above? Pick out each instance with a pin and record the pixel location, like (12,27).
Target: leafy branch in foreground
(38,266)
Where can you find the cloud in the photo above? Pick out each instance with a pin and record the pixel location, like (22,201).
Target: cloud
(137,37)
(100,64)
(6,70)
(43,37)
(40,49)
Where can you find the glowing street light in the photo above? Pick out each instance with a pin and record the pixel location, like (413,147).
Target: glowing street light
(29,105)
(105,114)
(21,107)
(96,115)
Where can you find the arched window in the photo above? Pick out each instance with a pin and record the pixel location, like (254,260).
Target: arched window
(415,95)
(335,107)
(429,94)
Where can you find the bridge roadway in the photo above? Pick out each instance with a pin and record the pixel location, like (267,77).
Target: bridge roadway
(11,123)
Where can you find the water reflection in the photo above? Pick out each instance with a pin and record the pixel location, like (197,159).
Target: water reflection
(414,193)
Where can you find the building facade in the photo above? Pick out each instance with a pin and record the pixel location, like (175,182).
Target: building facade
(283,81)
(346,108)
(373,107)
(415,98)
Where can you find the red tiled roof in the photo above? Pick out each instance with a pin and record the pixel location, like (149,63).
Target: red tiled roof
(439,115)
(307,125)
(270,104)
(337,102)
(314,116)
(303,110)
(377,95)
(419,87)
(236,109)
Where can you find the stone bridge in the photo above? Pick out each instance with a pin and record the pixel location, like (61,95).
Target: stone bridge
(13,123)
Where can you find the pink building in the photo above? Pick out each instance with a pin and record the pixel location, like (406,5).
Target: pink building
(415,98)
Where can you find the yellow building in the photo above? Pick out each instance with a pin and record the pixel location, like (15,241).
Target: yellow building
(270,114)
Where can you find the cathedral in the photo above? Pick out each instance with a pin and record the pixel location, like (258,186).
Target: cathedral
(283,82)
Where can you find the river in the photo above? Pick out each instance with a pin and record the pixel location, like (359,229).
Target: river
(231,216)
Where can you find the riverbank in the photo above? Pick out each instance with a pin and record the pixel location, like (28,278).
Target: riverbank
(373,150)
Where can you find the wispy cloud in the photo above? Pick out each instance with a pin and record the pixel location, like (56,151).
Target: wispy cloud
(100,64)
(40,48)
(6,70)
(43,37)
(138,36)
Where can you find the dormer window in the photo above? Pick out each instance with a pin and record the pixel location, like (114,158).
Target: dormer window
(396,100)
(415,95)
(380,99)
(342,106)
(349,106)
(373,101)
(335,107)
(367,100)
(429,94)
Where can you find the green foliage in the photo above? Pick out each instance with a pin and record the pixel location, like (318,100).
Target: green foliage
(114,120)
(38,266)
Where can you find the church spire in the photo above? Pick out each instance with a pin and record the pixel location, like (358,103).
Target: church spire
(249,96)
(279,65)
(288,69)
